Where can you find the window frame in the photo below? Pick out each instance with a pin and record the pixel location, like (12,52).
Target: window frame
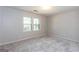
(32,24)
(27,24)
(35,24)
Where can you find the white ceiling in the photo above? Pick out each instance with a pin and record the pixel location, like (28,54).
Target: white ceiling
(52,10)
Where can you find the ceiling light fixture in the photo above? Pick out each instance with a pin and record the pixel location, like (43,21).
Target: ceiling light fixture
(35,11)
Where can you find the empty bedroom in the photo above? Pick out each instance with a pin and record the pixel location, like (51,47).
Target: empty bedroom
(39,29)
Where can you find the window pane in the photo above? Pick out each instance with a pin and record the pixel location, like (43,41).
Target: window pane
(36,27)
(27,27)
(36,21)
(27,20)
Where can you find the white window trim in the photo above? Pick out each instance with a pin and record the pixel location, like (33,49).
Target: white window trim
(35,24)
(32,28)
(27,24)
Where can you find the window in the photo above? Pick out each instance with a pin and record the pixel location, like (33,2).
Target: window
(36,24)
(27,24)
(30,24)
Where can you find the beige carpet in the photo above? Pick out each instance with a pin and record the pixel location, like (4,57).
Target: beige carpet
(44,44)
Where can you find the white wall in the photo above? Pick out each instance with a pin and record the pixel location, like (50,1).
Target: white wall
(64,25)
(13,25)
(1,24)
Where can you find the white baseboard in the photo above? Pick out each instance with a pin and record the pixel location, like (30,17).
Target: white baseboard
(64,37)
(30,37)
